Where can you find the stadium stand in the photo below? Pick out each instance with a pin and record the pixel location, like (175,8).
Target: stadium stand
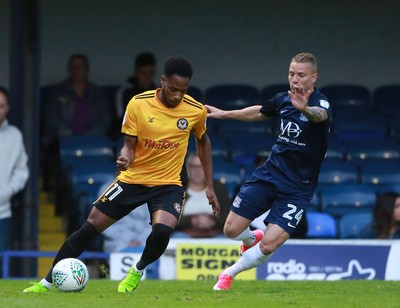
(321,225)
(351,224)
(232,96)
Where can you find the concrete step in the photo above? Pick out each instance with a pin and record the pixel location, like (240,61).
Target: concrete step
(43,266)
(51,238)
(51,224)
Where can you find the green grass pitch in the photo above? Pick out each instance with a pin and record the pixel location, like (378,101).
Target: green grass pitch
(156,293)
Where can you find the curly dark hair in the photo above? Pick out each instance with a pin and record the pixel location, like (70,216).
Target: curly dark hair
(383,214)
(178,66)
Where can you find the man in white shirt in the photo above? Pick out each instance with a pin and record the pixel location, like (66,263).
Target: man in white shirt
(13,167)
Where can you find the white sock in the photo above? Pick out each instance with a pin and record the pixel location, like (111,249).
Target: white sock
(246,236)
(46,283)
(136,269)
(252,257)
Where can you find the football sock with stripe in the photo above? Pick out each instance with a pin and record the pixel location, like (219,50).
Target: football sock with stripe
(156,244)
(74,245)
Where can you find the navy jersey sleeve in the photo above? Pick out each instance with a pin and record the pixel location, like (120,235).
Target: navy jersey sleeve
(322,102)
(271,107)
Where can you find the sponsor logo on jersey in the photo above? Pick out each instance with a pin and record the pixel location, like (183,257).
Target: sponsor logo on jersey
(291,129)
(324,103)
(160,144)
(177,207)
(151,120)
(182,123)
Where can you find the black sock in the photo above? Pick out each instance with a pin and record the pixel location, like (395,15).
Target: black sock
(74,245)
(156,244)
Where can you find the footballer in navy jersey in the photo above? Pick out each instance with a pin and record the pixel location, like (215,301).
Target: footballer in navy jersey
(301,146)
(285,184)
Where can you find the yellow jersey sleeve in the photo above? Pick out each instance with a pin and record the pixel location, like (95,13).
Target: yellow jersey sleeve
(201,126)
(129,123)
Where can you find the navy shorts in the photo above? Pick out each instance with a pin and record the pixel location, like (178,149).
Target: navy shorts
(257,196)
(119,199)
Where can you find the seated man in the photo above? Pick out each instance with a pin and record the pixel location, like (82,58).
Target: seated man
(76,106)
(197,220)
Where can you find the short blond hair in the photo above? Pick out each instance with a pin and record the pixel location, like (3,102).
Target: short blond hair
(306,57)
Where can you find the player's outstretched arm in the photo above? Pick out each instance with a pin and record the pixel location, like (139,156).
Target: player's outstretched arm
(204,152)
(248,114)
(127,154)
(299,99)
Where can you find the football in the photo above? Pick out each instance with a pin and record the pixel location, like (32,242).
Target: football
(70,275)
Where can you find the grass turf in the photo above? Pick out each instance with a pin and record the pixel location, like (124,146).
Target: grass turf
(155,293)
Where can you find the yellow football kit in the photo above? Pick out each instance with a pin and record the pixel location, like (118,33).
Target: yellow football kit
(162,137)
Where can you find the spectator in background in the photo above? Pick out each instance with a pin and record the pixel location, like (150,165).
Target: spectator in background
(77,106)
(141,81)
(386,218)
(130,231)
(13,165)
(197,220)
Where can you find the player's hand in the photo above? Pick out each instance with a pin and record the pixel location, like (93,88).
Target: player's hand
(213,201)
(123,163)
(214,112)
(299,98)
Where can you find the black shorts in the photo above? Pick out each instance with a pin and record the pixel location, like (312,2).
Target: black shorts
(119,199)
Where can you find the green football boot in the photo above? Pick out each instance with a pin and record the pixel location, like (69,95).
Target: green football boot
(130,282)
(37,287)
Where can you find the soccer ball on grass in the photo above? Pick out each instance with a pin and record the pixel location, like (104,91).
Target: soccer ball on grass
(70,275)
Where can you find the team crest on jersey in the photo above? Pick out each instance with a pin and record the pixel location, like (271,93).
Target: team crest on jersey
(177,207)
(182,123)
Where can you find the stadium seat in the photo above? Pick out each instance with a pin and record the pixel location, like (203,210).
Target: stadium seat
(386,99)
(351,224)
(380,171)
(231,96)
(341,199)
(337,171)
(228,173)
(256,143)
(269,91)
(347,95)
(379,148)
(196,93)
(320,225)
(363,124)
(84,145)
(336,149)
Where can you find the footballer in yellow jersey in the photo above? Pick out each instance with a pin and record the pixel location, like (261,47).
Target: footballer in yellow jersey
(157,126)
(162,137)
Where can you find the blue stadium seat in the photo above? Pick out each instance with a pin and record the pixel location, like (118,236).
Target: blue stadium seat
(232,96)
(351,224)
(338,200)
(362,124)
(347,95)
(336,149)
(227,172)
(269,91)
(320,225)
(85,145)
(243,143)
(337,171)
(379,148)
(380,171)
(386,99)
(196,93)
